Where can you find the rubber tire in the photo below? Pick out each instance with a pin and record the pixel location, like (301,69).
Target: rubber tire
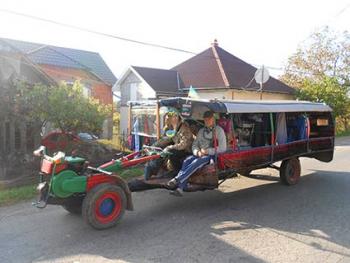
(290,171)
(74,206)
(88,209)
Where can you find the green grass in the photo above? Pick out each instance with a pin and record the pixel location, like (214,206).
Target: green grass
(342,133)
(16,194)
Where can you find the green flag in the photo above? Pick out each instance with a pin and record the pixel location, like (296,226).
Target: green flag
(192,93)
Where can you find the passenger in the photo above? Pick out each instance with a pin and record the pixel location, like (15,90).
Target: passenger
(178,144)
(210,140)
(226,124)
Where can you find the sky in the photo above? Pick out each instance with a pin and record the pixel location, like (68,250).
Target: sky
(259,32)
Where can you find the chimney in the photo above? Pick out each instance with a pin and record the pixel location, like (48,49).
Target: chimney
(215,43)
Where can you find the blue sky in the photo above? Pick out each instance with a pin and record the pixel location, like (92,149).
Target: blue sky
(259,32)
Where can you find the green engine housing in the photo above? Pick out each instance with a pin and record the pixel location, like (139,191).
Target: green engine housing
(68,182)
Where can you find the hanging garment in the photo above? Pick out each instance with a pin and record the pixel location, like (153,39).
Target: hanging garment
(281,131)
(137,137)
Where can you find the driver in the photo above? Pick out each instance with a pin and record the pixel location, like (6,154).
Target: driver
(178,143)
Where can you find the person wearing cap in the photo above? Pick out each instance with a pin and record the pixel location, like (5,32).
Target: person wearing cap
(178,143)
(210,140)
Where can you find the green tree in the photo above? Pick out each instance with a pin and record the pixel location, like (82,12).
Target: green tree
(329,91)
(324,53)
(66,107)
(320,70)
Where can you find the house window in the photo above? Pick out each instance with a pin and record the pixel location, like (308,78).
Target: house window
(87,90)
(133,91)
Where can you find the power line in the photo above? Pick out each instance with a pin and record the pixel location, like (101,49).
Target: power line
(138,41)
(95,32)
(342,10)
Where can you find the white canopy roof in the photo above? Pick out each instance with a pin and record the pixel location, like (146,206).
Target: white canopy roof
(242,106)
(274,106)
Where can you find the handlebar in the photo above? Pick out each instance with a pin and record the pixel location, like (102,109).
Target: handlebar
(41,152)
(152,148)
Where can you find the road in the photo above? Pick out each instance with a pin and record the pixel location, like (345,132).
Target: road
(246,220)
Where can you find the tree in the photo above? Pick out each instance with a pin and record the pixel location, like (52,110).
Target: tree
(324,53)
(66,107)
(329,91)
(320,70)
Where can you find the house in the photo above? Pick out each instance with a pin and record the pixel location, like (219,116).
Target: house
(16,134)
(141,83)
(214,73)
(57,64)
(66,64)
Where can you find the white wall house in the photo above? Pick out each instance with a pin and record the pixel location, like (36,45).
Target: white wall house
(140,83)
(214,73)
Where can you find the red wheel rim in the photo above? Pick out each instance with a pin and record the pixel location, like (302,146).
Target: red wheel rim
(108,207)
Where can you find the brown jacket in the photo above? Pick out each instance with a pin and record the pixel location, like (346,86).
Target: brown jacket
(182,140)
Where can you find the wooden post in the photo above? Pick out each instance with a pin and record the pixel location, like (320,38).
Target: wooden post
(158,120)
(12,136)
(2,136)
(36,135)
(23,132)
(273,136)
(129,121)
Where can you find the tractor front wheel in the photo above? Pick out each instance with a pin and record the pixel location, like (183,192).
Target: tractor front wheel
(104,206)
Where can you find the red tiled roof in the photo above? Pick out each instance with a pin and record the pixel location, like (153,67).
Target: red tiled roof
(216,68)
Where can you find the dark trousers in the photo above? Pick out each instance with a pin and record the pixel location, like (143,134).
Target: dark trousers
(176,158)
(189,167)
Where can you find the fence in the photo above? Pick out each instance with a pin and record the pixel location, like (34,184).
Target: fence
(18,139)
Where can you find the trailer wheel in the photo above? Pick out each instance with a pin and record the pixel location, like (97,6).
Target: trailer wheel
(104,206)
(74,206)
(290,171)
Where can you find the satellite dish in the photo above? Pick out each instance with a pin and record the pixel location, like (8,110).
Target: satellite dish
(262,75)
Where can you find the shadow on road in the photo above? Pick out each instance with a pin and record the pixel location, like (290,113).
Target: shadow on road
(168,229)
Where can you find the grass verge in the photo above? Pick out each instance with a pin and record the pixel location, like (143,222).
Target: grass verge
(342,133)
(16,194)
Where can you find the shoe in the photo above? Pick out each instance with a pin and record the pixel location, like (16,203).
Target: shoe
(172,184)
(178,192)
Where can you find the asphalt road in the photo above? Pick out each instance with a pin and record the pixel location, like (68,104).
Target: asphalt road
(246,220)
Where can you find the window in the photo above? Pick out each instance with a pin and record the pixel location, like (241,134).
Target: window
(86,91)
(133,91)
(252,129)
(86,88)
